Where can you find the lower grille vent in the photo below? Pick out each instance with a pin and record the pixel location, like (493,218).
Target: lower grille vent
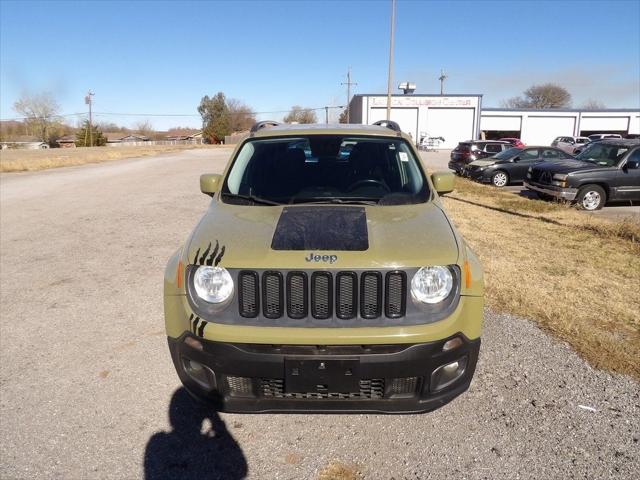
(369,390)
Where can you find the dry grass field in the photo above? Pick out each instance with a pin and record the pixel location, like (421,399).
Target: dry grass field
(576,275)
(30,160)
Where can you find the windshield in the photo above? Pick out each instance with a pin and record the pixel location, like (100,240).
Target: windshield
(508,153)
(325,169)
(603,154)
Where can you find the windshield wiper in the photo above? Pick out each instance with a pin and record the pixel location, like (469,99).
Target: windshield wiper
(251,198)
(339,201)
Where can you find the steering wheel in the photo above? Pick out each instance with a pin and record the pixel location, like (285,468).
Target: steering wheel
(369,181)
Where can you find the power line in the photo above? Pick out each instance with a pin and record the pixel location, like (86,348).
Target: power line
(130,114)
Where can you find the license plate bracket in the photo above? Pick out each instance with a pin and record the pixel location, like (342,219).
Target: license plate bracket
(318,375)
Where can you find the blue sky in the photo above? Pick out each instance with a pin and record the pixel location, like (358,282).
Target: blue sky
(162,57)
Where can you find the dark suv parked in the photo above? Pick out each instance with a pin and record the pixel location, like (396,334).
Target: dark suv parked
(605,170)
(467,152)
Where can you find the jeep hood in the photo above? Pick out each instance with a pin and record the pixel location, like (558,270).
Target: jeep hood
(567,166)
(243,236)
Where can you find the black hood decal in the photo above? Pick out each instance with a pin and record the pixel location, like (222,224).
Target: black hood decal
(321,228)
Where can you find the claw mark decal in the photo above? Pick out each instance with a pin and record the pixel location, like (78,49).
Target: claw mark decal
(204,255)
(201,329)
(197,325)
(220,256)
(210,259)
(213,254)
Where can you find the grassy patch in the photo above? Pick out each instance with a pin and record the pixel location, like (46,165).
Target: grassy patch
(339,471)
(30,160)
(575,274)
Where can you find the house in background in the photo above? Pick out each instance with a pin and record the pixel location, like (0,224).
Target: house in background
(68,141)
(134,138)
(113,137)
(24,142)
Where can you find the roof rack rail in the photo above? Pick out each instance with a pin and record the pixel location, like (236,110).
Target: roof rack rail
(389,124)
(263,124)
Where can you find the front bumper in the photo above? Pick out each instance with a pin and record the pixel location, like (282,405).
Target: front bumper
(255,378)
(557,192)
(477,175)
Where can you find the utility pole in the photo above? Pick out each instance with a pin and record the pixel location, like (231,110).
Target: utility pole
(87,101)
(326,115)
(442,78)
(348,83)
(390,77)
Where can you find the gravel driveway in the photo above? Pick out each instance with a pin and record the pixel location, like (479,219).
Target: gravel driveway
(88,389)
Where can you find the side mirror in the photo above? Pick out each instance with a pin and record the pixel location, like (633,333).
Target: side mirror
(442,182)
(633,164)
(516,159)
(209,183)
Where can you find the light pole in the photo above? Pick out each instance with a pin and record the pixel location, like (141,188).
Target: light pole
(88,100)
(390,77)
(348,83)
(442,78)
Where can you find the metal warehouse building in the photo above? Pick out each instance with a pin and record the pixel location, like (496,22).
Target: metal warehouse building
(461,117)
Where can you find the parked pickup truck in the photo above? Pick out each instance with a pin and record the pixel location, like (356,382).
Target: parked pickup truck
(608,170)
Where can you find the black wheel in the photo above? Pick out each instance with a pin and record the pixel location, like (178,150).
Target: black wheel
(500,179)
(591,197)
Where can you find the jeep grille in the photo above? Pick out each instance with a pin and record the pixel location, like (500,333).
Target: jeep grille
(367,295)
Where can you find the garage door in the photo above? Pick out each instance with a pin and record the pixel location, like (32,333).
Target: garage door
(453,124)
(542,130)
(407,118)
(604,124)
(500,123)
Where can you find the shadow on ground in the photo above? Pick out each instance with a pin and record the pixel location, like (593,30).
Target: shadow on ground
(199,446)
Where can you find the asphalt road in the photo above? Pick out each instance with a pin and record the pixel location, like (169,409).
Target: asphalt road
(88,389)
(613,211)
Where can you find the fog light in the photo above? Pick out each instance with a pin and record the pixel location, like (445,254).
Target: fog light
(452,344)
(199,373)
(194,343)
(445,375)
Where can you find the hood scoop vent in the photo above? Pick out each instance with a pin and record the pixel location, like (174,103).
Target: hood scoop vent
(321,228)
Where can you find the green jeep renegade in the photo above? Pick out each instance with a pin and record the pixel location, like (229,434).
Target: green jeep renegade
(324,277)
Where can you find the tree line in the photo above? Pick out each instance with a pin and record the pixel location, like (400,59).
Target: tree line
(221,116)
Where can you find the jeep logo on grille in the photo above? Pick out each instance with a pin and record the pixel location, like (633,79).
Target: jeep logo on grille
(321,258)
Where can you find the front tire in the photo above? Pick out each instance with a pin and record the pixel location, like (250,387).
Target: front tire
(500,179)
(591,198)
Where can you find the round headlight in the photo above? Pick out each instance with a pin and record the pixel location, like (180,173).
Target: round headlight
(431,284)
(213,284)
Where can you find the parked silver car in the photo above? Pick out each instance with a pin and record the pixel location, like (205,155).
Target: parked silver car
(570,144)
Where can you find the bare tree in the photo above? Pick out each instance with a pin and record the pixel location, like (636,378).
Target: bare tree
(593,104)
(241,115)
(548,95)
(40,111)
(514,102)
(297,114)
(144,127)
